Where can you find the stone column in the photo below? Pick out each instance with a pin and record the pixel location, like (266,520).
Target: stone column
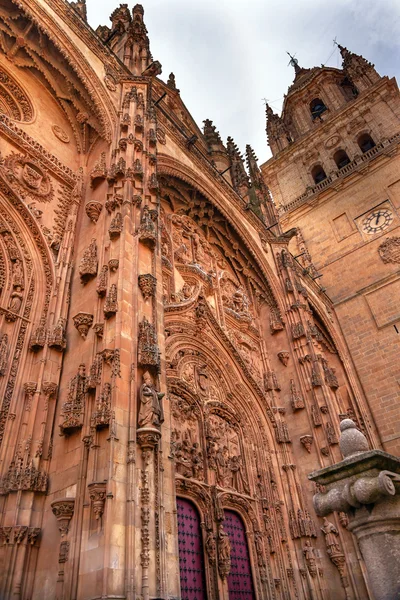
(366,486)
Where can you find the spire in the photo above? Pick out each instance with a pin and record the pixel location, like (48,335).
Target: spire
(212,137)
(358,69)
(129,40)
(80,7)
(240,180)
(171,83)
(295,64)
(260,199)
(277,133)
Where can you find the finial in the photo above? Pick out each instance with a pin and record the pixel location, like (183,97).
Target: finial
(352,441)
(171,83)
(295,63)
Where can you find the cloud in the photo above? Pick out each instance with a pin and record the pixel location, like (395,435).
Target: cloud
(228,55)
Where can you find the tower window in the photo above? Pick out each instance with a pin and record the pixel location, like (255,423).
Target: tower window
(365,142)
(341,159)
(317,107)
(318,174)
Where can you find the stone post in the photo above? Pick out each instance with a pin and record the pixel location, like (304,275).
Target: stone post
(366,486)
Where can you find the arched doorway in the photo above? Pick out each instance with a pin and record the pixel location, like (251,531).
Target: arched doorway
(240,580)
(191,559)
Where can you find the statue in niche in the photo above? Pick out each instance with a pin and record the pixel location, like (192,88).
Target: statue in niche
(224,553)
(224,473)
(151,411)
(16,300)
(240,301)
(18,274)
(331,535)
(238,480)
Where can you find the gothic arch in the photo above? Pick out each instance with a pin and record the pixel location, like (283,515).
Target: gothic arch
(93,94)
(174,168)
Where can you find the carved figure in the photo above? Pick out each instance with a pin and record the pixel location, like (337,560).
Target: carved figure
(224,553)
(18,275)
(331,535)
(151,411)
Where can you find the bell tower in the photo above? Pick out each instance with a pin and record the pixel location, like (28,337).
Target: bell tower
(335,176)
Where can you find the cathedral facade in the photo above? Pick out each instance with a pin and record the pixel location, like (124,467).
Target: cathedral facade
(170,369)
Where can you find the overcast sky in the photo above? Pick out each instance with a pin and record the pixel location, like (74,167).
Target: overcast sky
(227,55)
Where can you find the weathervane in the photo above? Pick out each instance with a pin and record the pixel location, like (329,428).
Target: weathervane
(293,62)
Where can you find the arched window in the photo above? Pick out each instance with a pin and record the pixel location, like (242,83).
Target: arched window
(240,580)
(349,89)
(318,173)
(317,107)
(365,142)
(341,159)
(191,556)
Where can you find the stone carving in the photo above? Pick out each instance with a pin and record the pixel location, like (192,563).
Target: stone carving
(63,510)
(224,553)
(97,495)
(37,339)
(389,250)
(83,322)
(57,338)
(298,330)
(115,228)
(98,328)
(284,357)
(93,210)
(148,352)
(23,478)
(89,262)
(329,374)
(29,177)
(331,434)
(102,415)
(147,285)
(331,538)
(102,281)
(211,548)
(117,170)
(18,275)
(29,389)
(113,264)
(224,456)
(296,399)
(111,304)
(33,535)
(150,412)
(14,100)
(63,552)
(147,229)
(61,134)
(3,354)
(282,432)
(271,381)
(73,409)
(96,368)
(309,556)
(307,441)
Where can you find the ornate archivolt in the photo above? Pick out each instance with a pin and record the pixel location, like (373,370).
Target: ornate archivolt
(31,39)
(14,102)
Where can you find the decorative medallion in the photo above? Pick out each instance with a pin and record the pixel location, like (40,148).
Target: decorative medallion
(332,141)
(389,250)
(61,134)
(29,177)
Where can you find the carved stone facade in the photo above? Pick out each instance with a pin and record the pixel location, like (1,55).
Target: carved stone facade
(158,338)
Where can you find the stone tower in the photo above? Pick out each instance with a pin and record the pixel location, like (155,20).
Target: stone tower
(169,373)
(335,175)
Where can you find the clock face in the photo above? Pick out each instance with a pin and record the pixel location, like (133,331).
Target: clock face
(377,221)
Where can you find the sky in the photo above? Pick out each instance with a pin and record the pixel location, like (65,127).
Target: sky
(230,55)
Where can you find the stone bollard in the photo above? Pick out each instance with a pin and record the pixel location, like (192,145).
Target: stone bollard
(366,486)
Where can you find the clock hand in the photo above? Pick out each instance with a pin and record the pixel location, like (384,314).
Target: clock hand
(377,218)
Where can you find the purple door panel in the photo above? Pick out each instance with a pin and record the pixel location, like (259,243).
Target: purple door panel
(191,562)
(240,580)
